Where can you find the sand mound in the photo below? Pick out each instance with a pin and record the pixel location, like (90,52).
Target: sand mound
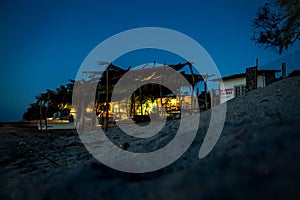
(256,157)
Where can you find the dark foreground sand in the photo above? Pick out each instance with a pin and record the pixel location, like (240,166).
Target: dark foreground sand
(257,157)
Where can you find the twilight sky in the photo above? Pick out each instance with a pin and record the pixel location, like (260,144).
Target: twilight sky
(43,43)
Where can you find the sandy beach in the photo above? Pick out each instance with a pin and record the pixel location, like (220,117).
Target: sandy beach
(257,157)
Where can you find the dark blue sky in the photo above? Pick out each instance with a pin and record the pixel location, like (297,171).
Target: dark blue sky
(43,43)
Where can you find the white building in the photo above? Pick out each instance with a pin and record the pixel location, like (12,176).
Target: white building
(235,85)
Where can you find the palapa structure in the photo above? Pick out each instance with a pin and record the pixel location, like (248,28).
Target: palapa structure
(148,98)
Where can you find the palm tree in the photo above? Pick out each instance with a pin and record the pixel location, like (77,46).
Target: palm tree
(44,101)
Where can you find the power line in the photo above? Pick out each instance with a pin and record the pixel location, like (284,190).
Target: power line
(292,62)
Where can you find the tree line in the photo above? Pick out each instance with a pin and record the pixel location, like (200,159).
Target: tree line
(51,102)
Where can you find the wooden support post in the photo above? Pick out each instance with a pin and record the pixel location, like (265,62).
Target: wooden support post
(141,101)
(193,85)
(283,67)
(134,113)
(161,105)
(205,91)
(106,106)
(205,78)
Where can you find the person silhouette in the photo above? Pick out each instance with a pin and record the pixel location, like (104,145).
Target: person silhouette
(71,118)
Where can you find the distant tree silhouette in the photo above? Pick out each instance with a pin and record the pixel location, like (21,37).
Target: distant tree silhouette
(32,112)
(277,24)
(51,102)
